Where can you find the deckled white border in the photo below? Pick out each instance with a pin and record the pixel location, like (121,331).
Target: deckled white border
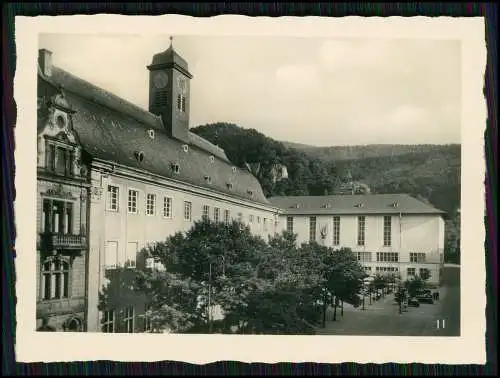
(47,347)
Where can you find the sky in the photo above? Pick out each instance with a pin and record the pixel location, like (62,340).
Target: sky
(316,91)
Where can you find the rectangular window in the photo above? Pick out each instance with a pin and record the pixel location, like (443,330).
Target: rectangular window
(151,204)
(61,158)
(386,269)
(264,223)
(387,256)
(289,224)
(187,210)
(133,196)
(113,197)
(108,324)
(417,257)
(361,230)
(148,323)
(387,230)
(364,256)
(336,230)
(251,218)
(111,254)
(167,207)
(368,268)
(131,254)
(51,157)
(258,219)
(421,271)
(129,319)
(179,101)
(410,272)
(216,214)
(206,212)
(312,228)
(161,98)
(226,216)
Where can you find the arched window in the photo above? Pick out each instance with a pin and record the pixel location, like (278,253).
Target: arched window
(55,278)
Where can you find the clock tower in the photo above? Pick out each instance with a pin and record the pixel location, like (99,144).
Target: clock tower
(169,92)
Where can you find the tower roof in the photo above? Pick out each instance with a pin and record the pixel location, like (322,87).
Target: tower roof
(169,58)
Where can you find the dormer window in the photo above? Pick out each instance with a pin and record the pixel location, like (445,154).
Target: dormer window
(185,147)
(229,185)
(234,169)
(295,206)
(395,205)
(212,159)
(151,133)
(208,179)
(250,192)
(359,205)
(176,168)
(139,155)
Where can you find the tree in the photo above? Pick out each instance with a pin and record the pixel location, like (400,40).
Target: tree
(400,296)
(425,274)
(344,276)
(212,262)
(379,283)
(261,288)
(413,286)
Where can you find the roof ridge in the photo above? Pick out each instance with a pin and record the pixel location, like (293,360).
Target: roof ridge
(110,94)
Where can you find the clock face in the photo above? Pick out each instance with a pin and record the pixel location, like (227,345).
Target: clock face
(160,80)
(181,83)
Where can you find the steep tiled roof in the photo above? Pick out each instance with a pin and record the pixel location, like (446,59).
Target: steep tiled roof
(112,129)
(169,56)
(353,204)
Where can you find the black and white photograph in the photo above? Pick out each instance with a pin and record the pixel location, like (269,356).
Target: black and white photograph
(249,185)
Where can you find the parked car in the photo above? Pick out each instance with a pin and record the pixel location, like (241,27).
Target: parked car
(413,302)
(425,298)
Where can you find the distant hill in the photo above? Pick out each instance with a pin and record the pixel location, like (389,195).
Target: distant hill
(429,172)
(367,151)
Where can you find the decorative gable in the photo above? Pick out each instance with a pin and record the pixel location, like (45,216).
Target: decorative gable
(58,148)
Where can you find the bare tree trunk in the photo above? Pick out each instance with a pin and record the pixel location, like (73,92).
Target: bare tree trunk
(342,307)
(335,311)
(325,307)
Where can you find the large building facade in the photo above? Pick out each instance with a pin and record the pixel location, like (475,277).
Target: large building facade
(62,200)
(148,177)
(387,232)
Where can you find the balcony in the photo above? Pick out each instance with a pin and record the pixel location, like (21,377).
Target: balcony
(60,306)
(54,241)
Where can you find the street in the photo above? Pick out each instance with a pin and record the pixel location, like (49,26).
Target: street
(382,317)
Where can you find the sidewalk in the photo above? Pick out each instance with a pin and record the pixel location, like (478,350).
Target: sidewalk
(382,318)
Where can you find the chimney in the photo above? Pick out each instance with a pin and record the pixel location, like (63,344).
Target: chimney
(45,61)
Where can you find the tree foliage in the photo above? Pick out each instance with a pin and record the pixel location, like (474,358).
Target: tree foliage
(425,274)
(414,285)
(273,287)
